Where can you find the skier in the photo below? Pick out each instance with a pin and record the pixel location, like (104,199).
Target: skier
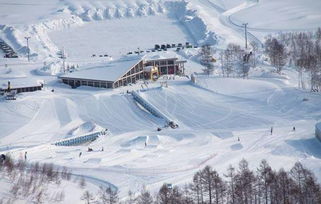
(80,153)
(271,130)
(293,128)
(25,155)
(102,149)
(238,138)
(145,144)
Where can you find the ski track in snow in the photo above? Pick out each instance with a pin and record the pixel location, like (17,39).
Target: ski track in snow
(202,110)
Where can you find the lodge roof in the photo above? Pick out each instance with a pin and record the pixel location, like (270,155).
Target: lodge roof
(110,72)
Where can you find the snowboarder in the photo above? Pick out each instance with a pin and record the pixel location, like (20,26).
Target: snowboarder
(80,153)
(293,128)
(25,155)
(271,130)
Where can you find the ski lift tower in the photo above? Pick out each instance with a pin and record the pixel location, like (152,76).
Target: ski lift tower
(62,55)
(245,34)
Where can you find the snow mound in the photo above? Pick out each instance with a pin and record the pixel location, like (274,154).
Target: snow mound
(90,11)
(84,128)
(140,140)
(193,23)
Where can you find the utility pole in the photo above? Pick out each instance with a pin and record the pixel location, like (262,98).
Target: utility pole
(27,38)
(245,33)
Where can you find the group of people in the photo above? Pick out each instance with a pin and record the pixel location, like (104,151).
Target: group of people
(293,129)
(271,131)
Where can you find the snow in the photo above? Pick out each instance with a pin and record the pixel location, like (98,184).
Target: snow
(99,37)
(110,72)
(212,114)
(284,15)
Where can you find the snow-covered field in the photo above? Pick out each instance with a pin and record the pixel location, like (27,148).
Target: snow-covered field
(212,114)
(99,37)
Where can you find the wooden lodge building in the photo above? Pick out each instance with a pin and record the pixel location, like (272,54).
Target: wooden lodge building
(20,87)
(122,72)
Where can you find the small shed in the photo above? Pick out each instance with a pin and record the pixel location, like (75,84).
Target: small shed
(21,85)
(151,72)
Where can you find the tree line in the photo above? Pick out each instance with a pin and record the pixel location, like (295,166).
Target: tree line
(236,186)
(242,186)
(301,50)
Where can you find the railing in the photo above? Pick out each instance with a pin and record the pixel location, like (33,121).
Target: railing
(80,139)
(9,52)
(149,107)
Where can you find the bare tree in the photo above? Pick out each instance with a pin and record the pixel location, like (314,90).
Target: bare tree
(108,195)
(87,197)
(145,197)
(207,59)
(277,53)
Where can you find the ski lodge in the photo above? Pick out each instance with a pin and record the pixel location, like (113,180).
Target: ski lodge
(123,72)
(19,87)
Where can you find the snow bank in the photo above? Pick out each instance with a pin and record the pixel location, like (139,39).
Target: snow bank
(91,11)
(39,43)
(193,23)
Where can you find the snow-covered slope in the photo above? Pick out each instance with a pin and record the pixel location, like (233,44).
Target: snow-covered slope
(212,114)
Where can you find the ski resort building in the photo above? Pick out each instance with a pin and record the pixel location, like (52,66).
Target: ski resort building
(123,72)
(167,65)
(113,75)
(20,86)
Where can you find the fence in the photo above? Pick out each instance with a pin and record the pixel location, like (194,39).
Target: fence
(80,139)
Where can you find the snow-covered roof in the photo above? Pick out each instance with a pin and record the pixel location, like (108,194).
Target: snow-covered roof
(20,83)
(163,55)
(148,68)
(110,72)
